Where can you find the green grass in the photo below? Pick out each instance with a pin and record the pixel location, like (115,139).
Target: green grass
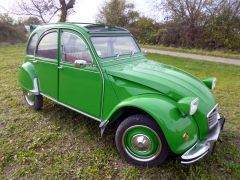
(59,143)
(216,53)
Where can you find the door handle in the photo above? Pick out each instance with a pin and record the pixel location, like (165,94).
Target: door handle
(35,61)
(60,67)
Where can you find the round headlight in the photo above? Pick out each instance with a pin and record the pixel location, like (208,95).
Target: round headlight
(194,106)
(188,105)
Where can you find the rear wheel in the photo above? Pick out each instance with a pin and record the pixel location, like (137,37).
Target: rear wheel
(141,142)
(35,101)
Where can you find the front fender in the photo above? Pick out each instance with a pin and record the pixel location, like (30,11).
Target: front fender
(165,112)
(27,78)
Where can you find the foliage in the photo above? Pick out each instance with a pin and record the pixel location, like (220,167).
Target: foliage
(117,12)
(187,23)
(201,24)
(145,30)
(32,20)
(224,29)
(11,31)
(45,9)
(57,143)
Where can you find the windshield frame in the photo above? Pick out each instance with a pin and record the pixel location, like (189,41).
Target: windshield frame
(114,35)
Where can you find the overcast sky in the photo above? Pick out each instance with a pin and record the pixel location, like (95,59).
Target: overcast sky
(86,10)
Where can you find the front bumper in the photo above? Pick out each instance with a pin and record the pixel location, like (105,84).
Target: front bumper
(205,146)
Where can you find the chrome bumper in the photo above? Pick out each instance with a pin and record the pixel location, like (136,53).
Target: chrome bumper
(203,147)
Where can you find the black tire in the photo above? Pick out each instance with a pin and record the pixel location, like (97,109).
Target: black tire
(141,121)
(35,101)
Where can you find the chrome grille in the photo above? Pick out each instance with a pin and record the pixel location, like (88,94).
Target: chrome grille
(212,117)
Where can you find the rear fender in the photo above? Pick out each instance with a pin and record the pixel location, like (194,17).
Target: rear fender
(166,114)
(27,78)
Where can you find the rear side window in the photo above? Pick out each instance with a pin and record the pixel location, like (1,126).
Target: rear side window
(47,47)
(32,44)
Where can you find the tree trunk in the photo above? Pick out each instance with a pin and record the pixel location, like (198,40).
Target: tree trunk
(64,9)
(63,16)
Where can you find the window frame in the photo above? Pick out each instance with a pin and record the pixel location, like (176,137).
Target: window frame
(40,39)
(79,35)
(29,41)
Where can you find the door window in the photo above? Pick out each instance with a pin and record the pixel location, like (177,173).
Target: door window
(32,44)
(74,48)
(47,47)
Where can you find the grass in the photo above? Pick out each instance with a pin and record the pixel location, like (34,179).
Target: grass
(216,53)
(59,143)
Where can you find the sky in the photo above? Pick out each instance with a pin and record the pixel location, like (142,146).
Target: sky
(86,10)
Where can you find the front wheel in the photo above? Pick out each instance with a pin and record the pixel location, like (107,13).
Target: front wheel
(140,141)
(35,101)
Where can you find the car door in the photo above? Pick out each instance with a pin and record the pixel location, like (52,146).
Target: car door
(79,87)
(46,63)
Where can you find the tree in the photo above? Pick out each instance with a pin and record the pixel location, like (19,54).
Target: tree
(145,30)
(65,7)
(32,20)
(186,21)
(224,29)
(45,9)
(117,12)
(10,30)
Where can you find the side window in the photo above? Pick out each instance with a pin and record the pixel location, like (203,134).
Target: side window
(74,48)
(32,44)
(47,47)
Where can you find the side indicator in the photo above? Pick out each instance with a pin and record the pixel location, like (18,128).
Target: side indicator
(185,136)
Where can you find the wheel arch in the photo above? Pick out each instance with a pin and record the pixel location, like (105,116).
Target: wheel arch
(27,78)
(164,112)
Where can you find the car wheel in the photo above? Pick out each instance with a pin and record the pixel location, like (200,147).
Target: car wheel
(35,101)
(140,141)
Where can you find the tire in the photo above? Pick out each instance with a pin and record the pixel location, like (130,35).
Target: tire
(140,141)
(35,101)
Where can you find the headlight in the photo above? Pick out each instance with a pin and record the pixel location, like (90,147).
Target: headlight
(210,82)
(188,105)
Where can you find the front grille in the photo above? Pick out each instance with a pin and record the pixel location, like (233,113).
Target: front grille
(212,117)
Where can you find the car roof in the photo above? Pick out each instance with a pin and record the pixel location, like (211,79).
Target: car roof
(91,28)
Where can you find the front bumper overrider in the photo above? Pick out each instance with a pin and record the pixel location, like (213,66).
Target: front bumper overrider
(205,146)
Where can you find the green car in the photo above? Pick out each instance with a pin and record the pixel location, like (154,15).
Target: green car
(99,71)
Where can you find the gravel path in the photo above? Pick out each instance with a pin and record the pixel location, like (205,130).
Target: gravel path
(195,56)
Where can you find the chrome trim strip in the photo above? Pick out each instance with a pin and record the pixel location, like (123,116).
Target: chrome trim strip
(35,90)
(210,127)
(81,112)
(212,110)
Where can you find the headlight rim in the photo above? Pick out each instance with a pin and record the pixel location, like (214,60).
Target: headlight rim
(185,105)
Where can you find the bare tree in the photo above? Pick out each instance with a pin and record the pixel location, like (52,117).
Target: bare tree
(65,7)
(45,9)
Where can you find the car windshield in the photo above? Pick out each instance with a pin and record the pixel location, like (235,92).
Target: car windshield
(115,46)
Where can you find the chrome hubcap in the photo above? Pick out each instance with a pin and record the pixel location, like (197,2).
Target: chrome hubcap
(141,142)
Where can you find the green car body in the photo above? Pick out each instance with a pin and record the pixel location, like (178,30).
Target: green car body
(108,88)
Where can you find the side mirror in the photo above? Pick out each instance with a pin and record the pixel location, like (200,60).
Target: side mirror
(80,63)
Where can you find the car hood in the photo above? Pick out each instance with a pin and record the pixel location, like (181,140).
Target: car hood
(167,80)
